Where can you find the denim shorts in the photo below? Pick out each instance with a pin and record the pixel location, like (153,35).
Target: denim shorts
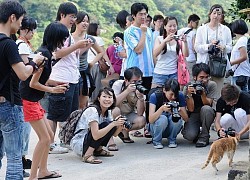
(160,79)
(62,105)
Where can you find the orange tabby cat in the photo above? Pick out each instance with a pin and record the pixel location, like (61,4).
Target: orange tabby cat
(218,148)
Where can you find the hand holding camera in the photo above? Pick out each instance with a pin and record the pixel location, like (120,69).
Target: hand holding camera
(175,111)
(198,88)
(213,48)
(224,133)
(166,108)
(60,88)
(122,121)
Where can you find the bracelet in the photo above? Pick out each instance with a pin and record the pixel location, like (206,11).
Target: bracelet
(34,65)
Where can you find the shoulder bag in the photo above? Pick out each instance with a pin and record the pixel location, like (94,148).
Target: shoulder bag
(103,64)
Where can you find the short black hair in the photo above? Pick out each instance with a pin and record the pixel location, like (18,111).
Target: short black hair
(197,68)
(239,27)
(65,9)
(92,30)
(230,92)
(157,17)
(54,35)
(136,7)
(193,17)
(7,8)
(79,18)
(117,34)
(133,71)
(172,85)
(28,23)
(121,18)
(150,17)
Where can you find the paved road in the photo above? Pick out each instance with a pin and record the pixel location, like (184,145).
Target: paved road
(141,161)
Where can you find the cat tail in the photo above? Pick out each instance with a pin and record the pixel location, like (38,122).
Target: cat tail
(210,155)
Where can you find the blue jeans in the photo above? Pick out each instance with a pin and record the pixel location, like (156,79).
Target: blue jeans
(11,124)
(26,137)
(244,88)
(164,127)
(160,79)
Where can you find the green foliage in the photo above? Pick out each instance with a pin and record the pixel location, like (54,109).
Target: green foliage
(104,12)
(238,5)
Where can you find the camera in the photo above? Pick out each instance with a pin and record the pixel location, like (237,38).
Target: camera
(176,37)
(230,72)
(175,110)
(126,123)
(230,132)
(213,50)
(198,86)
(141,88)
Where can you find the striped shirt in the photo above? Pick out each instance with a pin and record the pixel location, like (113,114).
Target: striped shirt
(144,60)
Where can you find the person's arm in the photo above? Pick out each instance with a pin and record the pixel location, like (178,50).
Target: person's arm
(189,98)
(154,115)
(242,58)
(201,46)
(220,130)
(158,47)
(99,133)
(99,54)
(183,113)
(120,97)
(205,99)
(140,105)
(184,46)
(140,46)
(246,127)
(35,84)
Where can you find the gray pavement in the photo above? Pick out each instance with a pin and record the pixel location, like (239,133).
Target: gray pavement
(141,161)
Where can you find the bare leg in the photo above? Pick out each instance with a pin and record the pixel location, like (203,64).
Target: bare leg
(83,101)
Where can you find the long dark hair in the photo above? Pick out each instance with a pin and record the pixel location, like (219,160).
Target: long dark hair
(174,86)
(165,22)
(109,91)
(92,30)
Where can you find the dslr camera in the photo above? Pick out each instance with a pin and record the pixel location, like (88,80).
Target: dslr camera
(213,50)
(141,88)
(198,86)
(230,72)
(126,123)
(175,110)
(230,132)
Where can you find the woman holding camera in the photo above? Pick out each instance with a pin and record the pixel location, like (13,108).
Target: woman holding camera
(166,51)
(213,36)
(32,91)
(166,111)
(239,59)
(95,128)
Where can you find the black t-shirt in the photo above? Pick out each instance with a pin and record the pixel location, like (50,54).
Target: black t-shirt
(29,93)
(243,102)
(8,56)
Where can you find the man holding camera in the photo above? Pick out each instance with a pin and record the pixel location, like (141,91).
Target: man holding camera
(130,101)
(200,97)
(233,112)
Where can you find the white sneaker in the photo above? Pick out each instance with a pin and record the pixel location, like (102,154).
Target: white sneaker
(55,149)
(65,146)
(172,145)
(158,146)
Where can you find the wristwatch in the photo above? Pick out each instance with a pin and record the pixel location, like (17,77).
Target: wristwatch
(188,97)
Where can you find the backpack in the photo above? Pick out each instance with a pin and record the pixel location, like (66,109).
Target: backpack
(67,131)
(160,97)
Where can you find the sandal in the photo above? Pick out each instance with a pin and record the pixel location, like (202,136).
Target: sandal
(125,140)
(93,160)
(112,147)
(103,153)
(147,134)
(137,134)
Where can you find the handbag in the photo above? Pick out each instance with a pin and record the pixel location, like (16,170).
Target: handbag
(241,81)
(182,70)
(217,65)
(103,64)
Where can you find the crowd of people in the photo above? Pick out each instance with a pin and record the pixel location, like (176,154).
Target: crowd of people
(140,90)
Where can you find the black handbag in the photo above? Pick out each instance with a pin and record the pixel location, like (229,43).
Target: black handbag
(217,65)
(241,81)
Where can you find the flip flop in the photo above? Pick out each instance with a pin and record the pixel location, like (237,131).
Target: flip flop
(52,175)
(103,153)
(137,134)
(112,147)
(92,161)
(125,140)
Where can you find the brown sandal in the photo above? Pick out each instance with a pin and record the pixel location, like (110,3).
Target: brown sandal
(112,147)
(92,161)
(103,153)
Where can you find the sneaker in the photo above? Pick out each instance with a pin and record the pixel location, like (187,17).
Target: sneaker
(26,163)
(172,145)
(201,143)
(65,145)
(158,146)
(55,149)
(25,174)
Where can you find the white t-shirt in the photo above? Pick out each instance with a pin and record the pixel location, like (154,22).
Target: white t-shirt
(23,48)
(66,69)
(189,37)
(166,63)
(91,55)
(244,67)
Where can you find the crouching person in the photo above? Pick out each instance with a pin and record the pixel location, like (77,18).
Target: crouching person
(166,112)
(95,128)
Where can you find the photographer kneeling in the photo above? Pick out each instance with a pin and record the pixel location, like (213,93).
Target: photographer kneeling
(200,96)
(130,101)
(165,120)
(233,111)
